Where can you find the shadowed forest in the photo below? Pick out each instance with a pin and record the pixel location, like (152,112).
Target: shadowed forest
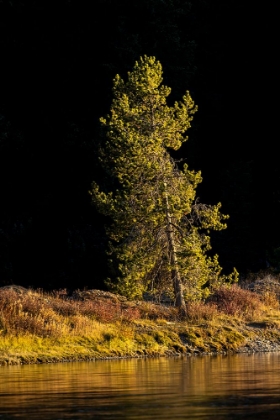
(57,63)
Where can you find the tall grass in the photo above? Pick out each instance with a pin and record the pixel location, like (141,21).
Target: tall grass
(56,315)
(39,326)
(46,315)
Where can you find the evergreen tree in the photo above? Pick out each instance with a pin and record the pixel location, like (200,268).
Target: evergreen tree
(158,231)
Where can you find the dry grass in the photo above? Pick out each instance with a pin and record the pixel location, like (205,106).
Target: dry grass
(55,314)
(266,285)
(39,326)
(200,311)
(45,315)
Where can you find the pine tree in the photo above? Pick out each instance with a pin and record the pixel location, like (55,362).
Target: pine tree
(159,232)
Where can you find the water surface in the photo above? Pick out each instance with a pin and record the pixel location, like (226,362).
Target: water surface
(222,387)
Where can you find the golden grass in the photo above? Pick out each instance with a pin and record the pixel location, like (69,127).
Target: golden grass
(48,327)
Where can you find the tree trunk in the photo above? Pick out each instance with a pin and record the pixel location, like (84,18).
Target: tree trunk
(175,273)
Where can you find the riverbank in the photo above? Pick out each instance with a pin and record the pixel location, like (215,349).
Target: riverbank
(36,327)
(147,341)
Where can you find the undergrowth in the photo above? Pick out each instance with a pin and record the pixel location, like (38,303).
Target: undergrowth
(40,326)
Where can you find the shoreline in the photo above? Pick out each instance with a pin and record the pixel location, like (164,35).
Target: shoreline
(37,327)
(258,344)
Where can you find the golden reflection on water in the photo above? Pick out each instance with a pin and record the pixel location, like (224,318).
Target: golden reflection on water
(238,386)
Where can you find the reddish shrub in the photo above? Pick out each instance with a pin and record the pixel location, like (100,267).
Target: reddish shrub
(233,300)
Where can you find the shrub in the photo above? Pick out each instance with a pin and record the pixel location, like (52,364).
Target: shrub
(232,300)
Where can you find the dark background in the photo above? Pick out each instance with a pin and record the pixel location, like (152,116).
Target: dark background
(57,62)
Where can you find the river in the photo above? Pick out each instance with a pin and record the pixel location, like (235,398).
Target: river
(239,386)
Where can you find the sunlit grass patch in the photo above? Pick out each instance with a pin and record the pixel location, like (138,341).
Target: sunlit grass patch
(48,327)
